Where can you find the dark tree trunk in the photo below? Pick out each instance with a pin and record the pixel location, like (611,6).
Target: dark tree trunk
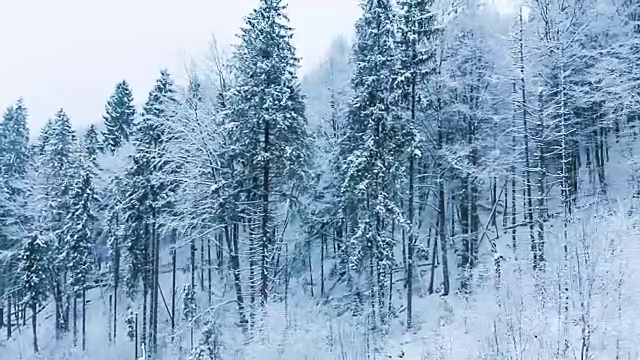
(231,236)
(75,319)
(209,265)
(84,319)
(322,250)
(310,268)
(264,272)
(116,282)
(411,244)
(9,316)
(202,264)
(34,326)
(173,279)
(527,163)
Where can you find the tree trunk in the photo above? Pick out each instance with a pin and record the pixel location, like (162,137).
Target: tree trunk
(84,318)
(145,290)
(410,244)
(156,285)
(75,319)
(541,185)
(202,264)
(109,334)
(527,164)
(116,282)
(209,265)
(34,325)
(322,250)
(231,236)
(310,268)
(265,219)
(220,255)
(135,339)
(173,280)
(9,316)
(443,239)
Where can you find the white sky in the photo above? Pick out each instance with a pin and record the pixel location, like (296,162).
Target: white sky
(70,53)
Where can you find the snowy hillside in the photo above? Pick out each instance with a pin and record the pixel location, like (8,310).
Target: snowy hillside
(455,184)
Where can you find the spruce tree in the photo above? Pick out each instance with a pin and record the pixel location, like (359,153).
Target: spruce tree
(59,159)
(369,152)
(14,156)
(91,147)
(78,251)
(119,117)
(268,112)
(416,58)
(14,142)
(34,262)
(14,162)
(147,197)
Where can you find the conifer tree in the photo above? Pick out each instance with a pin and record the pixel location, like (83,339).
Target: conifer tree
(91,147)
(369,152)
(147,198)
(119,117)
(78,251)
(210,345)
(15,142)
(270,134)
(60,159)
(416,54)
(34,262)
(14,158)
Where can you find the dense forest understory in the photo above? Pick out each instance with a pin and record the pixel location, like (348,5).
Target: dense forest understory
(453,183)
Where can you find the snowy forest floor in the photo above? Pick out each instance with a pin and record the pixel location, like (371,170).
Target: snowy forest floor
(524,318)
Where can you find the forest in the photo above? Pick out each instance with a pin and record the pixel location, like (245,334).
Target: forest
(452,183)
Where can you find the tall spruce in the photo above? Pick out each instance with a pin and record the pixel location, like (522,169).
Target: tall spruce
(59,158)
(370,151)
(119,117)
(14,158)
(416,57)
(34,261)
(80,243)
(146,199)
(270,134)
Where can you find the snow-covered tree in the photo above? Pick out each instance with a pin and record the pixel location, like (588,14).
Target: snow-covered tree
(146,198)
(78,252)
(119,117)
(369,154)
(33,269)
(416,62)
(271,143)
(59,158)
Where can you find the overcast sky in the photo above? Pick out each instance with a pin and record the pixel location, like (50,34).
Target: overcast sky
(70,53)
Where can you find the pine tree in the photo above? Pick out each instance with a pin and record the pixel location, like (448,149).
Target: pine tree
(91,147)
(416,55)
(119,117)
(79,244)
(189,308)
(147,198)
(210,345)
(59,158)
(43,137)
(270,134)
(34,262)
(370,150)
(15,141)
(14,158)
